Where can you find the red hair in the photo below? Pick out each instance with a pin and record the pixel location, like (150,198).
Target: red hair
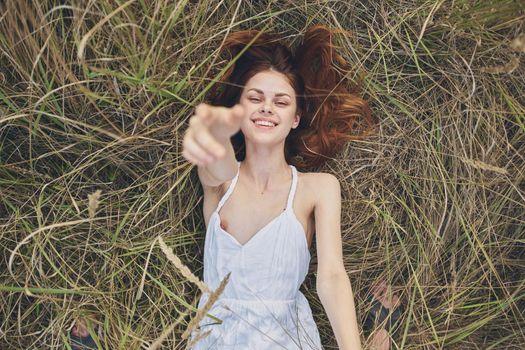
(327,109)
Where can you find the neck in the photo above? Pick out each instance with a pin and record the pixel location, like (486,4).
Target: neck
(265,174)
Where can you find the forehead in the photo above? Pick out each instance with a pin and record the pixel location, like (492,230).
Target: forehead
(270,83)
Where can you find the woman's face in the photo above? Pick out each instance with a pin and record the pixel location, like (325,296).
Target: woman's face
(269,96)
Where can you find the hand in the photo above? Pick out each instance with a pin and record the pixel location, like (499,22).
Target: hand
(209,127)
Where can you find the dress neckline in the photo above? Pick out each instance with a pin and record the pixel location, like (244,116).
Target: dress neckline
(253,237)
(260,232)
(288,209)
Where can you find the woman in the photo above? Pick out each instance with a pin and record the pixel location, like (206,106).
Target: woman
(273,112)
(260,212)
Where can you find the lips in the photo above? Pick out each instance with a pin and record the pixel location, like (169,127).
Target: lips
(269,120)
(260,126)
(264,124)
(266,119)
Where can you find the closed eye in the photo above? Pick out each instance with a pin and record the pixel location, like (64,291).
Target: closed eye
(278,103)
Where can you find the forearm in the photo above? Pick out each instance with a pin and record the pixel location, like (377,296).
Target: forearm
(337,298)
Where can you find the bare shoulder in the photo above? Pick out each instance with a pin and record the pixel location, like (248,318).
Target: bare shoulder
(326,178)
(319,185)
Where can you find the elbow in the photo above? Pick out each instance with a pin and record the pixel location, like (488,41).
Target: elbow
(327,282)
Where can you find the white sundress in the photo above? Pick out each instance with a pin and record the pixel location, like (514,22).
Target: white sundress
(261,307)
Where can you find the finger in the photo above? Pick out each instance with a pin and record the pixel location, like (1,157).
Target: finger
(194,122)
(380,340)
(237,111)
(194,149)
(221,113)
(386,297)
(191,159)
(235,115)
(201,135)
(395,301)
(381,287)
(380,291)
(81,329)
(209,144)
(197,123)
(383,299)
(204,113)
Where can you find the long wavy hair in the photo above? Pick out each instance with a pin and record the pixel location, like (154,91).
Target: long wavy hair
(329,112)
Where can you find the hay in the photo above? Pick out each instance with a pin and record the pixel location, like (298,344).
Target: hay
(94,99)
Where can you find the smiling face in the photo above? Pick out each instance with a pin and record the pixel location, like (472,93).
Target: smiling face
(268,97)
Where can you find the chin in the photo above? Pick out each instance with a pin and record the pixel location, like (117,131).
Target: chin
(267,140)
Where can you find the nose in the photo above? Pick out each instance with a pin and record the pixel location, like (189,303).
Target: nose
(266,109)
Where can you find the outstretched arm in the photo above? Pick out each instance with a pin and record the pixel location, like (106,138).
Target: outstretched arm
(333,285)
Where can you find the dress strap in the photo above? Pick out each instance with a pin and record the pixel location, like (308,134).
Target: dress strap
(291,195)
(230,189)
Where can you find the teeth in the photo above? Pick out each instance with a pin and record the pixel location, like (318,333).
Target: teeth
(263,122)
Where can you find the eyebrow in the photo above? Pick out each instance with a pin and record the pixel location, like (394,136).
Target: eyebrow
(278,94)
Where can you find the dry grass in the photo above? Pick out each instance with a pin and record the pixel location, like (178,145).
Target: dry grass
(184,270)
(95,96)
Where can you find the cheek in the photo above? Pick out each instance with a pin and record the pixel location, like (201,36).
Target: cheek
(290,116)
(246,124)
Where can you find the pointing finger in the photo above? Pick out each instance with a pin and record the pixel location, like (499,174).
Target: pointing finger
(208,143)
(238,111)
(203,112)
